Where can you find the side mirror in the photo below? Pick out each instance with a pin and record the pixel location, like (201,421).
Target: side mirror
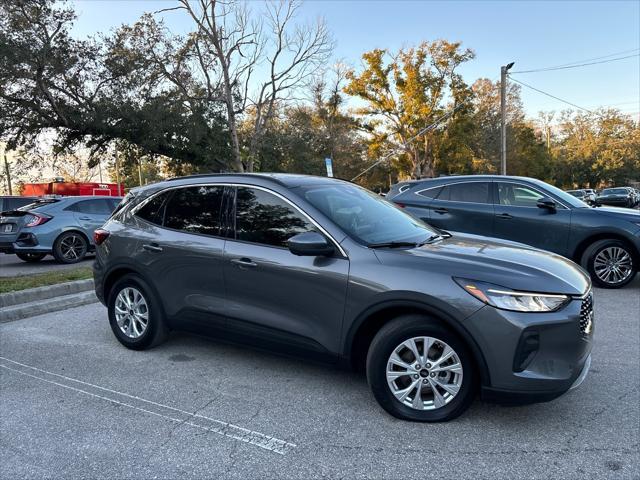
(546,202)
(310,244)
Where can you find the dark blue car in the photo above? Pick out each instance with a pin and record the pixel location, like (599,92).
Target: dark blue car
(604,240)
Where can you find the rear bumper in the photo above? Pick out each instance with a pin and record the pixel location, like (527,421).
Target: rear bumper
(25,242)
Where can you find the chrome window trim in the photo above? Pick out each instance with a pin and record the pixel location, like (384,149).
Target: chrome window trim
(265,189)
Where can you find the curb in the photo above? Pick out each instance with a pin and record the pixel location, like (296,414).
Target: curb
(52,298)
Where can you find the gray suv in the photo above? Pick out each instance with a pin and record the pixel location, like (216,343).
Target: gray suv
(321,267)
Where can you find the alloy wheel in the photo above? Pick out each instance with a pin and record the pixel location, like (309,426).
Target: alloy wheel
(132,312)
(613,265)
(72,247)
(424,373)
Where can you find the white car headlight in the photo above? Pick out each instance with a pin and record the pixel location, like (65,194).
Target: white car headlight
(514,300)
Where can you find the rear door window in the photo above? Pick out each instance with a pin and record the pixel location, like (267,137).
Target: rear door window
(429,192)
(469,192)
(195,210)
(91,207)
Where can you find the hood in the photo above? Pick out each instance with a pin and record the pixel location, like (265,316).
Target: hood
(619,212)
(507,264)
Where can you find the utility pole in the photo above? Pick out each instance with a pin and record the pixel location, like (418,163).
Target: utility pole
(115,152)
(6,169)
(140,170)
(503,117)
(548,131)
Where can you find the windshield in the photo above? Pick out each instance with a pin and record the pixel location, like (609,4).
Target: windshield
(615,191)
(365,216)
(574,193)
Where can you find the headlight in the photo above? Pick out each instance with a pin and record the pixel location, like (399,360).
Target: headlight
(514,300)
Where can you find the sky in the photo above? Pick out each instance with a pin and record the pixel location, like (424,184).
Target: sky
(533,34)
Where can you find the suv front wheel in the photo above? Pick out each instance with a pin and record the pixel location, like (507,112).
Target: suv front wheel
(610,263)
(418,370)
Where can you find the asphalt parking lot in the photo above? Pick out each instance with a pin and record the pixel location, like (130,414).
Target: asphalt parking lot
(12,266)
(74,403)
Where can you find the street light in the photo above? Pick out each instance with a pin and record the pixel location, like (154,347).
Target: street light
(503,116)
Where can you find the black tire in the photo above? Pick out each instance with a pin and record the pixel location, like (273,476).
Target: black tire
(31,257)
(156,330)
(392,335)
(591,253)
(68,241)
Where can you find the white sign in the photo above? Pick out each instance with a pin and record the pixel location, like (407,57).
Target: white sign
(329,165)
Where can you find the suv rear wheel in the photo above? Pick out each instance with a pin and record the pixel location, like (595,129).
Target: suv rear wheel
(418,370)
(135,314)
(610,263)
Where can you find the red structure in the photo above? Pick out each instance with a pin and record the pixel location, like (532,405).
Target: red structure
(72,189)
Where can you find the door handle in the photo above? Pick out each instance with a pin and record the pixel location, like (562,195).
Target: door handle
(441,211)
(154,247)
(504,216)
(86,218)
(244,262)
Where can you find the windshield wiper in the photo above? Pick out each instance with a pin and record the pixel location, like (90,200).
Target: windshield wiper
(393,244)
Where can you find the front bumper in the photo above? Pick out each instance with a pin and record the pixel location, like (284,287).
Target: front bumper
(560,361)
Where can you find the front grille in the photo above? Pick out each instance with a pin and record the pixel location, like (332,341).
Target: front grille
(586,314)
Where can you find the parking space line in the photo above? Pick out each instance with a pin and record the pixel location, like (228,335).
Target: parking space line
(226,429)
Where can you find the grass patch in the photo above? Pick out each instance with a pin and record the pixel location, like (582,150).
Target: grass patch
(12,284)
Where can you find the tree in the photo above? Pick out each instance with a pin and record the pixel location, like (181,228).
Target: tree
(285,55)
(596,149)
(405,94)
(91,92)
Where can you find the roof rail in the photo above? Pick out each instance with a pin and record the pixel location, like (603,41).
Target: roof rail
(266,176)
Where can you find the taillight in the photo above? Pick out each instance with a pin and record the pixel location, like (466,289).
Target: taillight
(100,236)
(36,220)
(401,205)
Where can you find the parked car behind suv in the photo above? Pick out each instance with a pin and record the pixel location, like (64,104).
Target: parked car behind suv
(61,226)
(585,195)
(605,241)
(620,196)
(317,265)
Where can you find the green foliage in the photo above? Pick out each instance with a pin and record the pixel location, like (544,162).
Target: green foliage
(159,99)
(93,92)
(596,149)
(405,93)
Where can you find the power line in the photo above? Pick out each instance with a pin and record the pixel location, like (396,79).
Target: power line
(564,67)
(424,130)
(553,96)
(623,52)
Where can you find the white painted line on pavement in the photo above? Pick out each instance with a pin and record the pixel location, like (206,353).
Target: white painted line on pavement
(229,430)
